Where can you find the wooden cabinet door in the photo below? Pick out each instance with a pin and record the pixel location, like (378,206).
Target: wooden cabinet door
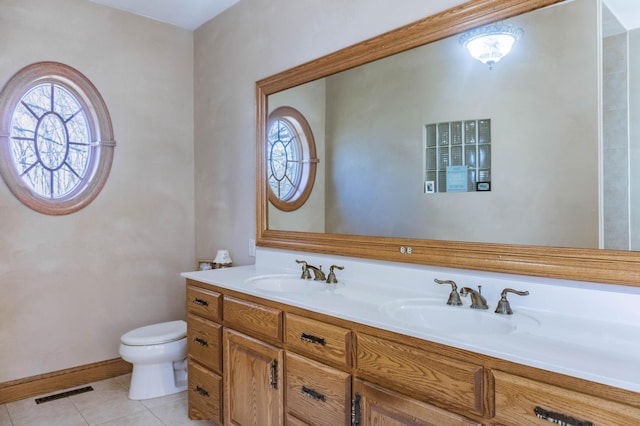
(382,407)
(253,378)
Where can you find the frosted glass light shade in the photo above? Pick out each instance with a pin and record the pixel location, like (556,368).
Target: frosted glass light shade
(490,43)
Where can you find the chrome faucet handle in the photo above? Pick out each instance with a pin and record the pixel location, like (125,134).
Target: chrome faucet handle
(454,297)
(503,305)
(331,279)
(306,275)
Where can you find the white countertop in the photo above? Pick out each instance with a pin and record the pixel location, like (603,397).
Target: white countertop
(583,330)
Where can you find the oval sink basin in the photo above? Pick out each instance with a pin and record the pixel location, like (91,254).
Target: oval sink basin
(285,283)
(439,317)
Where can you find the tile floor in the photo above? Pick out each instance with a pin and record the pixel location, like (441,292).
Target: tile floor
(108,404)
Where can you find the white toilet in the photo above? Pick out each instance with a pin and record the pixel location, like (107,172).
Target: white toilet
(158,353)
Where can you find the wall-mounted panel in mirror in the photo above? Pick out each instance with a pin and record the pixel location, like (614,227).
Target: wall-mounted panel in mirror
(550,207)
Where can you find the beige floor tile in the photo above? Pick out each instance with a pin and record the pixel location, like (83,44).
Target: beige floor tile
(101,406)
(124,380)
(5,420)
(113,384)
(107,405)
(143,418)
(174,413)
(59,412)
(163,400)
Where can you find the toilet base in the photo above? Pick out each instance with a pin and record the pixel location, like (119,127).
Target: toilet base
(156,380)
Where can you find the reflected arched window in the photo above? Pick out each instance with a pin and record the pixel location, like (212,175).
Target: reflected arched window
(291,159)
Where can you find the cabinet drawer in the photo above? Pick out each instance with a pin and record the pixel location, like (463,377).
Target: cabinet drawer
(379,406)
(292,421)
(205,303)
(205,393)
(204,342)
(252,318)
(518,399)
(317,394)
(420,374)
(324,342)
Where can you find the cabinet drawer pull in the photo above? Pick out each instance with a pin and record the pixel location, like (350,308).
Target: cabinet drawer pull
(201,391)
(200,302)
(273,374)
(313,394)
(312,339)
(559,418)
(355,410)
(201,342)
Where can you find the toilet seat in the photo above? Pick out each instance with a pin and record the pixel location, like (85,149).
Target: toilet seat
(156,334)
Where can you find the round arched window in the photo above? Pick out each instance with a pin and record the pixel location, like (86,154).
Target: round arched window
(56,138)
(291,159)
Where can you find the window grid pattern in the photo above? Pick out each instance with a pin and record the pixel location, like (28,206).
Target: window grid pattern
(56,138)
(50,140)
(283,159)
(458,143)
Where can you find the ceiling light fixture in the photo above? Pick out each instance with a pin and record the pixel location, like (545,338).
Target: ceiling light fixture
(490,43)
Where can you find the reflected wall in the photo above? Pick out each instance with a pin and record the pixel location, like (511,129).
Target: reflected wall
(544,138)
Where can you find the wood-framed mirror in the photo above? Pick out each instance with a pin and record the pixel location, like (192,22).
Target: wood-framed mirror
(554,261)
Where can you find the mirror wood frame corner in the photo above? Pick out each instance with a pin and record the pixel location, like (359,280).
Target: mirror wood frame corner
(594,265)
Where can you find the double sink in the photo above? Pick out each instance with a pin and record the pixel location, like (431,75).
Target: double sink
(429,314)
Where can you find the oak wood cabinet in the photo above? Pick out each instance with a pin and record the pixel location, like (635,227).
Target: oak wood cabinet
(204,348)
(522,401)
(262,362)
(316,393)
(449,381)
(380,406)
(253,391)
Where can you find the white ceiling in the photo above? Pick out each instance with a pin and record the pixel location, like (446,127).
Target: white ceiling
(627,11)
(189,14)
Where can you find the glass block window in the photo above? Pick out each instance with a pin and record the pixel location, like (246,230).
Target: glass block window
(56,141)
(291,159)
(458,156)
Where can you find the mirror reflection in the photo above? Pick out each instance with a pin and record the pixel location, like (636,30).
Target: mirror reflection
(552,182)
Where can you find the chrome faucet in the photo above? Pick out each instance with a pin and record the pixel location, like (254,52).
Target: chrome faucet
(306,271)
(477,299)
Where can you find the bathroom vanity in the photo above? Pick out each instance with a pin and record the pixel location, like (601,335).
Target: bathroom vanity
(382,347)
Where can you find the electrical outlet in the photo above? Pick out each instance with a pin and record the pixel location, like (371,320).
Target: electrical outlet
(252,247)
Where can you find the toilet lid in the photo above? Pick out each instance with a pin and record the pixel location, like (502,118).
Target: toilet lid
(156,333)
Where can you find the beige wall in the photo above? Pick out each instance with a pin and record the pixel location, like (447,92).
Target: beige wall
(252,40)
(615,133)
(71,285)
(543,106)
(634,132)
